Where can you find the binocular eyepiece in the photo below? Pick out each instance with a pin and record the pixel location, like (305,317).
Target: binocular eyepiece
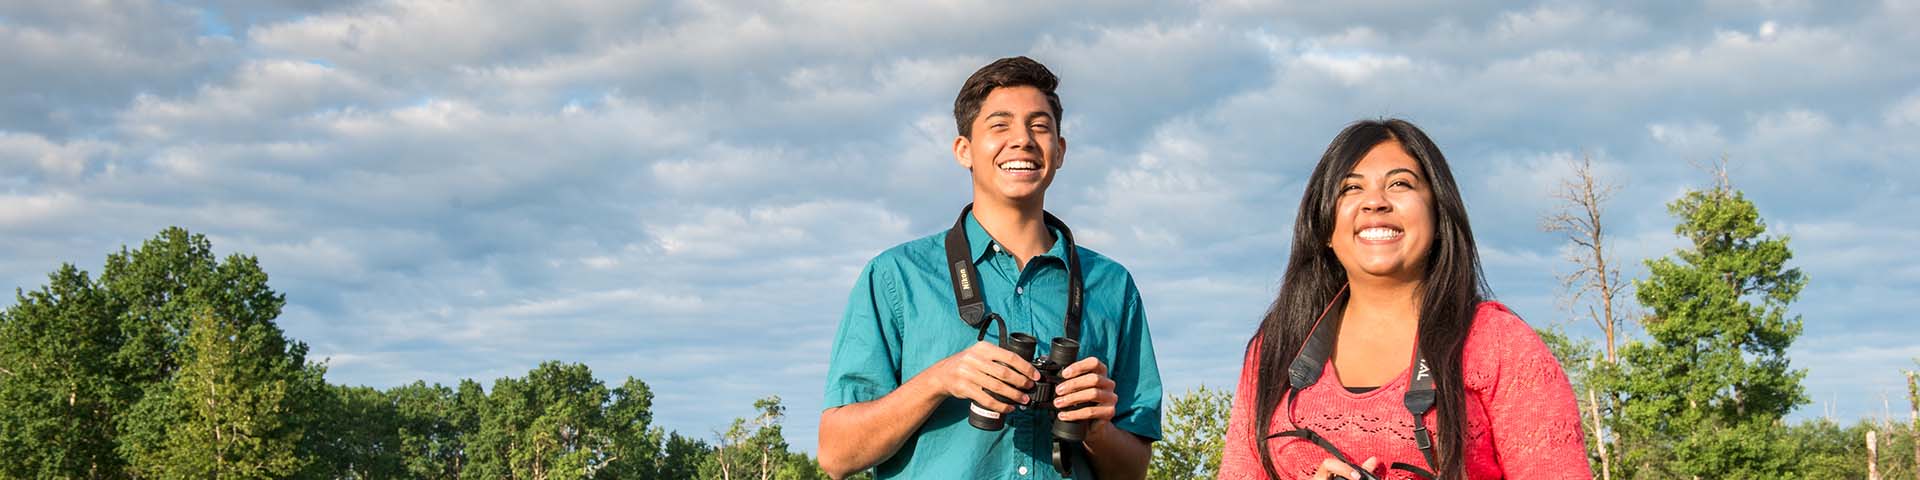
(1064,352)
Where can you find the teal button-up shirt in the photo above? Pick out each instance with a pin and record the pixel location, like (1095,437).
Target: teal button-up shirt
(901,319)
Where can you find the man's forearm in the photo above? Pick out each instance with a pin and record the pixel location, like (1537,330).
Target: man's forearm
(857,436)
(1116,453)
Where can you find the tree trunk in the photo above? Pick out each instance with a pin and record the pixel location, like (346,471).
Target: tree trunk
(1599,438)
(1873,458)
(1913,400)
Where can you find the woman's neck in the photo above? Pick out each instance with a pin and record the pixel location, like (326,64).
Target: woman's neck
(1022,231)
(1383,304)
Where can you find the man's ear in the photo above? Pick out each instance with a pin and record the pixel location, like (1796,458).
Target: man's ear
(963,152)
(1062,161)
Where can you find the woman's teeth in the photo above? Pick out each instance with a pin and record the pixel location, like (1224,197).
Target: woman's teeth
(1379,233)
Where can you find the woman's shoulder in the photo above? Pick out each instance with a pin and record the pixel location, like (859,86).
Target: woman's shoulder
(1491,316)
(1501,341)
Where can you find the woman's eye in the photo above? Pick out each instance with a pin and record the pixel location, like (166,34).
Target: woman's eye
(1402,183)
(1348,188)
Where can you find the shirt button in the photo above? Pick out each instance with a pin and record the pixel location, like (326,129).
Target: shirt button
(1019,290)
(996,248)
(1023,469)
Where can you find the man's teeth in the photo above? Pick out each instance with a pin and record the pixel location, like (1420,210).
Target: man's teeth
(1379,233)
(1019,165)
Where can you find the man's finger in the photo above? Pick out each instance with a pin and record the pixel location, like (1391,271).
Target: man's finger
(1084,397)
(983,378)
(1002,372)
(993,353)
(1100,412)
(1083,367)
(1083,382)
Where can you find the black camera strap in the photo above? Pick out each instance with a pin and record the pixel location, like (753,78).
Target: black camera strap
(967,294)
(967,297)
(1311,362)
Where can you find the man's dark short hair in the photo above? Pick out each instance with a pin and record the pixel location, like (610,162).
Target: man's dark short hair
(1006,72)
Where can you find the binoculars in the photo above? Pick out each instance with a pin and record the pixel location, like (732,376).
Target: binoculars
(1065,351)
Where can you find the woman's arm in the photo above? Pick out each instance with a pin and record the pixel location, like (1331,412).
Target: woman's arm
(1534,419)
(1241,460)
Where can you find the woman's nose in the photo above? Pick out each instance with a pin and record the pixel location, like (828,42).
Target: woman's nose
(1374,202)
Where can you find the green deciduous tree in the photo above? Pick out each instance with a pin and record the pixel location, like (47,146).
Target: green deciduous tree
(753,448)
(228,407)
(1196,431)
(81,358)
(681,457)
(561,423)
(59,390)
(1705,394)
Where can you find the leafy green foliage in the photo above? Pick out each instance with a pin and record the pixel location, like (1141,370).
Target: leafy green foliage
(1195,435)
(230,403)
(170,365)
(1705,394)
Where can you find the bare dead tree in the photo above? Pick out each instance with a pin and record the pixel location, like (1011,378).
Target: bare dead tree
(1596,276)
(1595,279)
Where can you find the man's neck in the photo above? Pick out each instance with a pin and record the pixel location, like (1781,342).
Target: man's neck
(1021,230)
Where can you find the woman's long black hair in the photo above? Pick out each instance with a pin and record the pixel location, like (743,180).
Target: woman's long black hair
(1450,291)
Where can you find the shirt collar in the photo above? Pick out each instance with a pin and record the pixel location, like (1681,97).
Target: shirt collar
(981,243)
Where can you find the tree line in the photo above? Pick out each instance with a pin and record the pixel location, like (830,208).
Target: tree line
(169,365)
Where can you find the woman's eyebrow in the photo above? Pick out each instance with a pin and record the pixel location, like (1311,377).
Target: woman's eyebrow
(1390,173)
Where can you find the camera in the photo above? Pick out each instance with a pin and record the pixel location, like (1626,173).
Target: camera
(1064,352)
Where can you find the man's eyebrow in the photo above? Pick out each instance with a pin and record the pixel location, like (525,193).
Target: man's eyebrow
(1002,113)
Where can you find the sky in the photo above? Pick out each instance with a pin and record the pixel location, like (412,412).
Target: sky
(684,192)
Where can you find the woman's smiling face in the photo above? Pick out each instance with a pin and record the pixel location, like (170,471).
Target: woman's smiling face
(1383,218)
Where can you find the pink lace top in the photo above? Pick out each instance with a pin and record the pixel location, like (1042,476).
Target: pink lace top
(1522,421)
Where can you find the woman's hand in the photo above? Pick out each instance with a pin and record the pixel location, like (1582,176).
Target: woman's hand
(1332,468)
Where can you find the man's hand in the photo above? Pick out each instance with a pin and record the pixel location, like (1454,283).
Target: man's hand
(982,368)
(1088,387)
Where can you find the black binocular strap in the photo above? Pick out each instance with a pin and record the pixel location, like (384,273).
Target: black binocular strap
(966,279)
(1308,365)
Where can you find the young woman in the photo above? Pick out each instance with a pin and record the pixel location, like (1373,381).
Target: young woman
(1382,318)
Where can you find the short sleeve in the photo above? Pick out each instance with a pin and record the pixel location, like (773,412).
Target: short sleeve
(1136,373)
(866,350)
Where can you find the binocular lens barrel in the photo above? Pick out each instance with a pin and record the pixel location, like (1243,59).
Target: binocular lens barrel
(1022,345)
(1065,351)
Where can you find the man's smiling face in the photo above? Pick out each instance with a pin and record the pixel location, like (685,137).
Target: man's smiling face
(1015,147)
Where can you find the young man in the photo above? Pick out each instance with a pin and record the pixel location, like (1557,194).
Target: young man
(907,370)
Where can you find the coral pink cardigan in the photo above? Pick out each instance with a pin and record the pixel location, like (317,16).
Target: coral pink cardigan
(1522,421)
